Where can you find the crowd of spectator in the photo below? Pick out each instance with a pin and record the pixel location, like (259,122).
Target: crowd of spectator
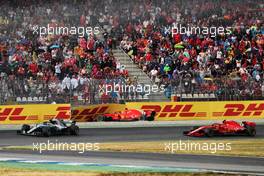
(31,64)
(50,65)
(224,64)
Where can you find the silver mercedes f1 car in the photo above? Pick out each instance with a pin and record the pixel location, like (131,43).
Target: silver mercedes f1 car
(52,127)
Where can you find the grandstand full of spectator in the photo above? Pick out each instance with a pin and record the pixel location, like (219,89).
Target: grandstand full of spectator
(52,65)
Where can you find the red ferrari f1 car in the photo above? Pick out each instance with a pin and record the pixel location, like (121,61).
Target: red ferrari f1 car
(228,127)
(128,115)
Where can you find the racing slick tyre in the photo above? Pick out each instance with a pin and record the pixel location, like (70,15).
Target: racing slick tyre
(104,119)
(74,130)
(25,128)
(185,132)
(100,118)
(46,132)
(108,119)
(143,117)
(152,116)
(250,131)
(209,132)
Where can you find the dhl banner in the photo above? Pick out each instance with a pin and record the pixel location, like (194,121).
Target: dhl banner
(165,111)
(90,113)
(210,110)
(34,113)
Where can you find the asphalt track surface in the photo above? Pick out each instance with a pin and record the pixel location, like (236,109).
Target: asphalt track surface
(114,135)
(233,164)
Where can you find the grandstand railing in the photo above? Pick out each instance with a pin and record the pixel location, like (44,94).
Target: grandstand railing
(224,89)
(22,91)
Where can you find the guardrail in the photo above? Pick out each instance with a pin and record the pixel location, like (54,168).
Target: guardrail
(24,91)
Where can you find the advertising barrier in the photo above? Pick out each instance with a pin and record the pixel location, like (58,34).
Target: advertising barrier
(170,111)
(165,111)
(34,113)
(90,113)
(210,110)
